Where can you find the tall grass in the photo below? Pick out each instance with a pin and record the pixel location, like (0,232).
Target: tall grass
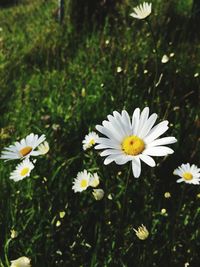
(44,69)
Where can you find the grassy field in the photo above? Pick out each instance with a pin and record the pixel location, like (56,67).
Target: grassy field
(61,81)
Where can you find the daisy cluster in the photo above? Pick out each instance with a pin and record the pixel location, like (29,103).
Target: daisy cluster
(135,139)
(30,146)
(86,179)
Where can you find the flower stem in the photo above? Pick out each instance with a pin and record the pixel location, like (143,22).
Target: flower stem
(156,58)
(125,194)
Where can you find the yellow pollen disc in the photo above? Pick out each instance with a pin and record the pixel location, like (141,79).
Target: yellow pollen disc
(84,183)
(92,142)
(133,145)
(187,176)
(25,151)
(24,171)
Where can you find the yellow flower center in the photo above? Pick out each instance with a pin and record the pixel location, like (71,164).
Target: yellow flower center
(24,171)
(84,183)
(187,176)
(25,151)
(92,142)
(133,145)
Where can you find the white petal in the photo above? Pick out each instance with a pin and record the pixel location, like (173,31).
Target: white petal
(126,122)
(135,120)
(136,167)
(156,131)
(113,122)
(29,139)
(111,152)
(143,119)
(107,132)
(34,153)
(158,151)
(148,160)
(108,142)
(177,172)
(123,159)
(40,140)
(163,141)
(180,180)
(148,125)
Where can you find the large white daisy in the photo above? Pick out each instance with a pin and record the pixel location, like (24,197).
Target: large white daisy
(24,148)
(22,170)
(134,140)
(141,11)
(189,174)
(90,140)
(81,182)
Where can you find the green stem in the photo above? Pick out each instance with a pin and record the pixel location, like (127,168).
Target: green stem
(177,216)
(125,194)
(156,58)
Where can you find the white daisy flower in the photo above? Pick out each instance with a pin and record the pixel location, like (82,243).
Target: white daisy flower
(94,180)
(21,262)
(189,174)
(81,182)
(43,148)
(22,170)
(142,11)
(24,148)
(133,141)
(90,140)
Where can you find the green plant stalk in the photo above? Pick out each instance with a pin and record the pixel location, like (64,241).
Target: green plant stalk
(156,58)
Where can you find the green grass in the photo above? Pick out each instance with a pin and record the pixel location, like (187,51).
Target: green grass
(44,68)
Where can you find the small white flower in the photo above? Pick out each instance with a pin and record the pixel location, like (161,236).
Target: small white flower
(21,262)
(98,194)
(43,148)
(165,59)
(134,140)
(142,11)
(24,148)
(22,170)
(94,180)
(189,174)
(81,182)
(90,140)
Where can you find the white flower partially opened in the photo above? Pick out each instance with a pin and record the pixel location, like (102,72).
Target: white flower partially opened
(90,140)
(23,149)
(21,262)
(94,180)
(190,174)
(142,233)
(142,11)
(135,141)
(43,148)
(22,170)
